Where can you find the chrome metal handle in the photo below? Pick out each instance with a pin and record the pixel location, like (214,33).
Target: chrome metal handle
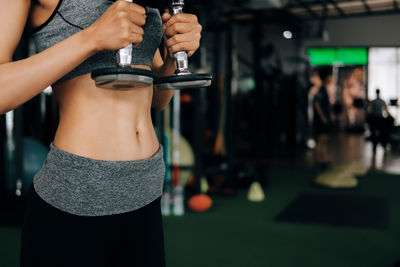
(181,57)
(124,55)
(176,7)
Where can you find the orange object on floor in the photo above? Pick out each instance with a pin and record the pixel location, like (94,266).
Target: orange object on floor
(200,203)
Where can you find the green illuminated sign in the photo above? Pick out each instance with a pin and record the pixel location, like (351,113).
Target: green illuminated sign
(342,56)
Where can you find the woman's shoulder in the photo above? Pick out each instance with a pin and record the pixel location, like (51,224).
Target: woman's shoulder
(40,11)
(44,2)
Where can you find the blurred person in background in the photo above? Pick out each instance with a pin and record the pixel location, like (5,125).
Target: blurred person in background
(322,122)
(379,121)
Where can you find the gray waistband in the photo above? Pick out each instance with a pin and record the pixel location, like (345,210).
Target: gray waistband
(89,187)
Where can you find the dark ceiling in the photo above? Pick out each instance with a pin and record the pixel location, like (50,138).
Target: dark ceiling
(320,9)
(306,9)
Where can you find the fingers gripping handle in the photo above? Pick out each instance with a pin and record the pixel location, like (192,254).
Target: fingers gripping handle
(181,57)
(124,55)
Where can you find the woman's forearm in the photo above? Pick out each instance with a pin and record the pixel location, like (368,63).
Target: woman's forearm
(22,80)
(161,98)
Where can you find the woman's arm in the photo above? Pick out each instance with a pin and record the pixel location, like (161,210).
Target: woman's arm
(320,113)
(161,98)
(21,80)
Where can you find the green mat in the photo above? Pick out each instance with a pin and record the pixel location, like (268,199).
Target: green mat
(338,210)
(239,233)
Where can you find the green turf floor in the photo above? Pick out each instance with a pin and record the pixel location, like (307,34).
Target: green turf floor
(239,233)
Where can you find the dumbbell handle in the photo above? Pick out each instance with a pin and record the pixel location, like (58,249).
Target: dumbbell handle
(181,57)
(124,55)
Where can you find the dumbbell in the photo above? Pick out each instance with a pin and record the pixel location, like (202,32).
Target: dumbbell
(122,76)
(182,79)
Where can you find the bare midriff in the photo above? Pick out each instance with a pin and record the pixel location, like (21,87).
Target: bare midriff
(105,124)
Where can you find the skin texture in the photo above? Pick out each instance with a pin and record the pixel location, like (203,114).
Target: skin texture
(95,123)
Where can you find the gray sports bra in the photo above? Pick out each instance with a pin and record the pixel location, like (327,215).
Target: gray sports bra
(71,16)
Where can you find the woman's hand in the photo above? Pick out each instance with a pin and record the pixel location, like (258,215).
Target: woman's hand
(182,32)
(119,26)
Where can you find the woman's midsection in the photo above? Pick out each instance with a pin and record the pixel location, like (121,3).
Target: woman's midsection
(105,124)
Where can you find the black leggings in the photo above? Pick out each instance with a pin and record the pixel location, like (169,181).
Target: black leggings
(51,237)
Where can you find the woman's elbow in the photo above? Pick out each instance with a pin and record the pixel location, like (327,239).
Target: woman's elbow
(159,106)
(4,107)
(159,103)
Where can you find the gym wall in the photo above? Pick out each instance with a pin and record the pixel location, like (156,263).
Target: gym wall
(365,31)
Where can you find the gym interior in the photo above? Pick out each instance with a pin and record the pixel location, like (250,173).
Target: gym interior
(244,184)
